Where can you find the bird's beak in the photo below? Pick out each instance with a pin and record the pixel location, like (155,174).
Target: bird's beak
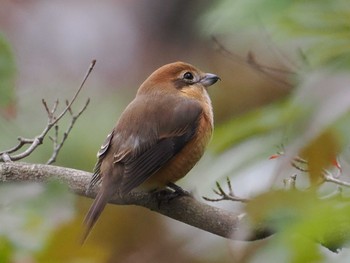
(209,79)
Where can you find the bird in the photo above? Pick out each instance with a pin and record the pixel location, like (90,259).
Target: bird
(158,138)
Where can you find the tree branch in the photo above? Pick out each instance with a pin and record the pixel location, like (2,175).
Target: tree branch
(8,155)
(58,146)
(251,62)
(229,196)
(185,209)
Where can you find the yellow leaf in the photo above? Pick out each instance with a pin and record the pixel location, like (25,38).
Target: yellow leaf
(320,154)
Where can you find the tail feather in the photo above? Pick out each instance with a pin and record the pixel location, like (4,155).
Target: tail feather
(94,212)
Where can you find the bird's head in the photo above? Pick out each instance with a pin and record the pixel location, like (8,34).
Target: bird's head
(178,77)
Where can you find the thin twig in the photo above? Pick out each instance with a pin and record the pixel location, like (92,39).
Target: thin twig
(251,62)
(230,196)
(328,177)
(58,146)
(22,141)
(49,114)
(52,121)
(6,158)
(54,107)
(76,94)
(298,167)
(290,183)
(69,110)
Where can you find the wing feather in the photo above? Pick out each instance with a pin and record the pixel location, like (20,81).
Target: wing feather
(96,177)
(175,129)
(144,140)
(138,170)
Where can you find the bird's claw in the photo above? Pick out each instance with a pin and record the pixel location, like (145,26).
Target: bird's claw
(166,195)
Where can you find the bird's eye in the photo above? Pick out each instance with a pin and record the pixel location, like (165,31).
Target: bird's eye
(188,76)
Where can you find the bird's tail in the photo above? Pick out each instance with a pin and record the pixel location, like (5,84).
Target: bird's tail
(95,211)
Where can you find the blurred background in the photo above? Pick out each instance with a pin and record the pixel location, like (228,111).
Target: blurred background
(262,50)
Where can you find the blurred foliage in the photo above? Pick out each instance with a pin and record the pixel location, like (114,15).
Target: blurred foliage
(65,246)
(256,122)
(320,28)
(321,153)
(302,221)
(7,79)
(29,213)
(36,222)
(320,103)
(313,122)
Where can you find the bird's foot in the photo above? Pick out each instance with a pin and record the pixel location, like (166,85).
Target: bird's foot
(178,191)
(166,195)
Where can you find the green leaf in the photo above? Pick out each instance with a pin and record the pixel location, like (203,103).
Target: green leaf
(6,250)
(302,220)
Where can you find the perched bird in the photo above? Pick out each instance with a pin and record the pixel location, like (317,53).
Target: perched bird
(159,137)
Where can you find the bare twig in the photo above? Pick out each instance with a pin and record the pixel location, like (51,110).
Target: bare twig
(6,158)
(328,177)
(297,162)
(290,182)
(54,138)
(92,65)
(52,121)
(57,146)
(251,62)
(46,108)
(230,196)
(297,166)
(22,141)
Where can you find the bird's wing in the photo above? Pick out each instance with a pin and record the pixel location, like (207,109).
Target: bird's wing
(154,138)
(96,177)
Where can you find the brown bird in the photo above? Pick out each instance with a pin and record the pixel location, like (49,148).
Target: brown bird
(159,137)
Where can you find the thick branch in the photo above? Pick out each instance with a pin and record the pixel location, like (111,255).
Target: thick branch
(185,209)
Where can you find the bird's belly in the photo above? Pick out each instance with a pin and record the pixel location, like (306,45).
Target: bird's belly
(183,162)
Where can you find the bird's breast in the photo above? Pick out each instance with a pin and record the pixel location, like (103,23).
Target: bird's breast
(184,161)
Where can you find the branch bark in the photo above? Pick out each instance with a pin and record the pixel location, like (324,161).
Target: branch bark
(185,209)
